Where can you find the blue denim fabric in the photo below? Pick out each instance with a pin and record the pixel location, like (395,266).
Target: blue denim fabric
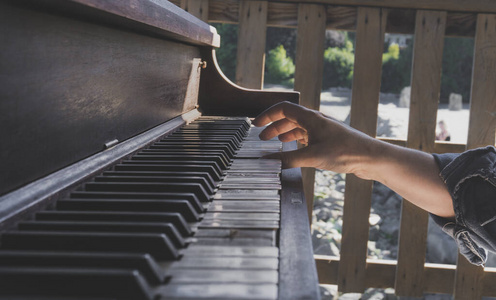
(471,181)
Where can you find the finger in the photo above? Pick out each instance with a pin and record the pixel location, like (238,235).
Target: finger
(284,110)
(277,128)
(296,134)
(294,159)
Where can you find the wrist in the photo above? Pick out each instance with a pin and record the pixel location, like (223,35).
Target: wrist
(369,159)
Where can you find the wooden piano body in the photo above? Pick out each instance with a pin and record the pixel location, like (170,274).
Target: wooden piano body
(84,84)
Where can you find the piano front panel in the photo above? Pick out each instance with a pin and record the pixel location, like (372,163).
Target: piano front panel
(69,85)
(195,215)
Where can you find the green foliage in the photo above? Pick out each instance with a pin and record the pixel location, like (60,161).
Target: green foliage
(279,68)
(226,54)
(338,66)
(392,53)
(396,68)
(457,67)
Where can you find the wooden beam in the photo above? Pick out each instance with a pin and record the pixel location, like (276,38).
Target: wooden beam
(482,6)
(198,8)
(481,132)
(482,122)
(308,73)
(284,14)
(371,24)
(439,147)
(426,85)
(251,44)
(439,278)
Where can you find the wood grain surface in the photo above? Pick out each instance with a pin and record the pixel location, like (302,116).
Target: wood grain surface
(251,44)
(426,84)
(309,63)
(371,23)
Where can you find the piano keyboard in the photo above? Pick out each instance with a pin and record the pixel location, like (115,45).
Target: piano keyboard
(195,215)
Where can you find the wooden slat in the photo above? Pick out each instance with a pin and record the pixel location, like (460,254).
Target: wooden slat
(481,131)
(483,100)
(308,72)
(426,84)
(371,24)
(251,44)
(486,6)
(198,8)
(439,278)
(284,14)
(439,147)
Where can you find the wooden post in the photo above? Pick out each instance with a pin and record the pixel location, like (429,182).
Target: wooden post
(481,132)
(251,44)
(371,24)
(424,102)
(308,72)
(198,8)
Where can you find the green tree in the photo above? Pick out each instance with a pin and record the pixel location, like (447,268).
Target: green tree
(226,54)
(279,68)
(396,68)
(338,66)
(457,67)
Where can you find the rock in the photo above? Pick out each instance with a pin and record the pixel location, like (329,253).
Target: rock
(491,260)
(405,97)
(455,102)
(374,219)
(328,292)
(374,233)
(323,214)
(322,249)
(441,248)
(383,127)
(340,185)
(351,296)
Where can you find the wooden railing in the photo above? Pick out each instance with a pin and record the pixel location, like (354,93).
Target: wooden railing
(429,21)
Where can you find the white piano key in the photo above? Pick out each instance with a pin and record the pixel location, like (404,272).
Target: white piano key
(219,291)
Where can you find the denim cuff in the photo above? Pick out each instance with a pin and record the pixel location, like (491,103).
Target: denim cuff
(471,181)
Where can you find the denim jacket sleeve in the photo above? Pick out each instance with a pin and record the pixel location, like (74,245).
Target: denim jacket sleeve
(471,180)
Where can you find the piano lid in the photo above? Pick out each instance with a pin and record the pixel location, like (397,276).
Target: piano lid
(156,17)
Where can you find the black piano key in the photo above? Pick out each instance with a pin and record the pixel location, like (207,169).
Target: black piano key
(194,146)
(212,126)
(158,168)
(130,227)
(157,245)
(204,144)
(220,154)
(169,217)
(151,187)
(239,134)
(74,282)
(199,139)
(183,157)
(146,204)
(141,262)
(215,121)
(181,162)
(192,198)
(166,179)
(208,135)
(181,206)
(204,178)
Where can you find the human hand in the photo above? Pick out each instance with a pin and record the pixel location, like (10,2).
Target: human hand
(331,145)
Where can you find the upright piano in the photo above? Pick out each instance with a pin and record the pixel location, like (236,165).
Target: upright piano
(128,165)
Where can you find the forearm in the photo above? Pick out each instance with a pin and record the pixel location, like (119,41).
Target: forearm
(412,174)
(340,148)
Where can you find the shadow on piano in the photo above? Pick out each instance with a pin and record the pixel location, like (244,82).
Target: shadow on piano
(129,167)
